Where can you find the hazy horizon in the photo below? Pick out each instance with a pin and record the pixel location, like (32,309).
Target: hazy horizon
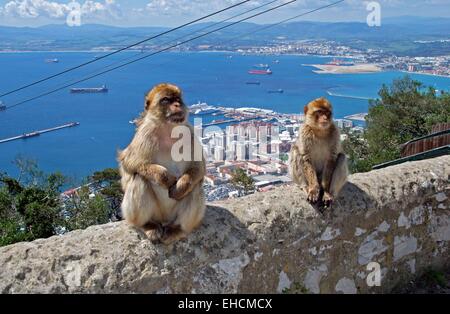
(169,13)
(216,21)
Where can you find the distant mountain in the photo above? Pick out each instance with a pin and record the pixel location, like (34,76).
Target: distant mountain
(392,33)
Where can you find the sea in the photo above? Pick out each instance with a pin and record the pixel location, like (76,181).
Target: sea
(217,78)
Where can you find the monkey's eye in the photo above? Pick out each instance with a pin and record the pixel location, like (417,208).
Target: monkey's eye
(165,101)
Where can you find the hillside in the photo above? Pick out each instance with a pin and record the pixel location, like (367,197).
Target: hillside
(396,35)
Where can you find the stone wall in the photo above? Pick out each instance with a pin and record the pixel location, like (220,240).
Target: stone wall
(268,242)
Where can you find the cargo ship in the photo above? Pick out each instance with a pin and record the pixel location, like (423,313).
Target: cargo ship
(260,72)
(52,60)
(102,89)
(279,91)
(253,83)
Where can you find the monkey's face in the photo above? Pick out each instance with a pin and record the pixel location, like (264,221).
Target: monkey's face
(174,108)
(165,102)
(323,118)
(319,113)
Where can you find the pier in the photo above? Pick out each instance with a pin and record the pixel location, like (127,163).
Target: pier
(37,133)
(347,96)
(228,121)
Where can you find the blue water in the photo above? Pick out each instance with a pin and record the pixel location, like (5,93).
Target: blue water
(211,77)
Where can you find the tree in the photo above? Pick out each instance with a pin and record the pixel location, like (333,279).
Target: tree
(31,206)
(404,111)
(241,180)
(85,209)
(111,190)
(29,211)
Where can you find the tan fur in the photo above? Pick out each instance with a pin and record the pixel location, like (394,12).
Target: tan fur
(317,161)
(162,196)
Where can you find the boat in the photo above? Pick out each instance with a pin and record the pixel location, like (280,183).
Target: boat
(261,65)
(280,91)
(203,108)
(260,72)
(52,60)
(32,134)
(2,106)
(277,61)
(102,89)
(253,83)
(208,110)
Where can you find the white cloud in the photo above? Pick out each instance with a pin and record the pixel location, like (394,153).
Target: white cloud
(51,9)
(177,7)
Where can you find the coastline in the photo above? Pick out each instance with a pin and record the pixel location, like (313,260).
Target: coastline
(350,69)
(420,73)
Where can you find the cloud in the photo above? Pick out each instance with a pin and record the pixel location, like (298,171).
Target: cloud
(50,9)
(182,7)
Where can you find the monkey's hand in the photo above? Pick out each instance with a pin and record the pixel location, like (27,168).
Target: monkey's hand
(313,194)
(182,188)
(327,199)
(158,175)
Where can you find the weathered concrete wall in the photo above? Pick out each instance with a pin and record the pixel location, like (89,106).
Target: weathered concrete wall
(398,217)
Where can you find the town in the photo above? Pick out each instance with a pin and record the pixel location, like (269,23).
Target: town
(258,141)
(432,65)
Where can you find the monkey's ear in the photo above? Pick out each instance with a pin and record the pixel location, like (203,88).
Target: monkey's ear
(147,104)
(305,109)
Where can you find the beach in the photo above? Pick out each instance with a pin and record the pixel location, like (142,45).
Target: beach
(345,69)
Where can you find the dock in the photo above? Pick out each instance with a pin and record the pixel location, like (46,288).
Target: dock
(228,121)
(39,132)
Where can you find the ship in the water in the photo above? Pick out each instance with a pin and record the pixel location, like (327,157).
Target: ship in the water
(202,108)
(261,65)
(261,72)
(276,91)
(32,134)
(102,89)
(253,83)
(2,106)
(52,60)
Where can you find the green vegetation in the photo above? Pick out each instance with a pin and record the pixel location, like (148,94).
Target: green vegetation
(296,288)
(284,157)
(435,277)
(31,206)
(241,180)
(404,111)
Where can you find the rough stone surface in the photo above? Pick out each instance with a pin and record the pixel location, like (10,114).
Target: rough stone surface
(398,217)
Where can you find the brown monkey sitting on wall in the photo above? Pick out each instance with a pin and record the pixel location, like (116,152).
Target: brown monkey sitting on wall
(162,196)
(317,162)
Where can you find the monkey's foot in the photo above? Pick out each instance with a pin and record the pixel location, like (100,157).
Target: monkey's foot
(313,195)
(171,234)
(327,200)
(153,235)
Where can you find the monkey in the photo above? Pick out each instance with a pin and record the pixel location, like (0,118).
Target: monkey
(317,162)
(163,197)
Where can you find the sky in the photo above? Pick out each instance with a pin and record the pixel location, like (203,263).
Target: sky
(169,13)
